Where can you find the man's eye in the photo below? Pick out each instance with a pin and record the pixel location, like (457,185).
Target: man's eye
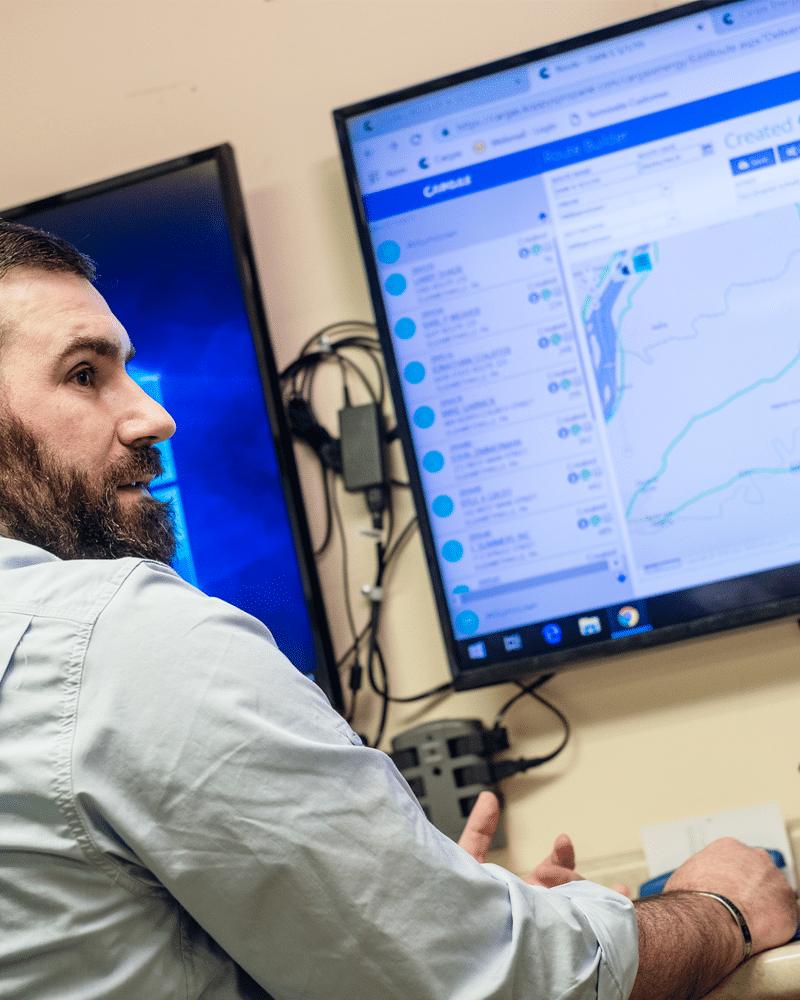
(85,377)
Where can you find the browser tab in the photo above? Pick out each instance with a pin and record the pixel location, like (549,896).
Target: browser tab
(426,109)
(746,15)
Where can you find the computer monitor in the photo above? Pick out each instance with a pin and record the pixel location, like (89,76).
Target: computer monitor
(175,265)
(585,266)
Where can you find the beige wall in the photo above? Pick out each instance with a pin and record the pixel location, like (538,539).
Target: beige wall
(97,87)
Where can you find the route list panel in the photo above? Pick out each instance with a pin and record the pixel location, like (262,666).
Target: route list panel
(505,430)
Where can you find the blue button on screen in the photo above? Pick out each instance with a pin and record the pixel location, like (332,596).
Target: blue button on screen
(752,161)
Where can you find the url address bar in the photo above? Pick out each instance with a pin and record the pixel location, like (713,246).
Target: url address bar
(649,73)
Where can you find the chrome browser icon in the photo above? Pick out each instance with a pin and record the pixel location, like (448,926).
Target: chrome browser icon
(628,617)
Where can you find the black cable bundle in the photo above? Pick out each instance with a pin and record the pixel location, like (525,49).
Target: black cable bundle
(336,344)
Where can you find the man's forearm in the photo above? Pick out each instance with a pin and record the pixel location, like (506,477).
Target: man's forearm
(687,944)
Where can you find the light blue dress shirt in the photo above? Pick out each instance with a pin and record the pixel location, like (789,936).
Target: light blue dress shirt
(182,815)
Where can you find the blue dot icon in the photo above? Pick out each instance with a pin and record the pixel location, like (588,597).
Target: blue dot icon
(414,372)
(552,634)
(388,252)
(543,342)
(395,284)
(563,432)
(583,524)
(573,477)
(405,328)
(433,461)
(443,506)
(424,416)
(553,387)
(467,622)
(452,550)
(462,588)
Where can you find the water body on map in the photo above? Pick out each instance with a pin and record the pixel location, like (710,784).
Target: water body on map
(695,347)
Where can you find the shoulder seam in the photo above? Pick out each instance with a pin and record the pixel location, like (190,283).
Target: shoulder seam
(84,617)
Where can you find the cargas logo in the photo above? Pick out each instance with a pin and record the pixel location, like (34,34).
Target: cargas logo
(431,190)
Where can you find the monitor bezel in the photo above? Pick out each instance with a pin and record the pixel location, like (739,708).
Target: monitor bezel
(558,659)
(326,673)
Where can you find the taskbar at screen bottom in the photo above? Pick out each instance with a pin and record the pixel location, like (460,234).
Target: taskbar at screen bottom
(614,622)
(552,644)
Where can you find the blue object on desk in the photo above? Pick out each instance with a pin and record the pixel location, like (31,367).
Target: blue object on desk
(656,885)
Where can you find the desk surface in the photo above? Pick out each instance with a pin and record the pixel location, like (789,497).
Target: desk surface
(772,975)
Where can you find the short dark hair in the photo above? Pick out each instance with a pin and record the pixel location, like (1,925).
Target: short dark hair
(23,246)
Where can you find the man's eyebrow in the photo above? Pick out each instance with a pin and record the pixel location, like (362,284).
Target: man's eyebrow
(101,346)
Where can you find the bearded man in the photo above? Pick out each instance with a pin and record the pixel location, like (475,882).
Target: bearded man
(182,814)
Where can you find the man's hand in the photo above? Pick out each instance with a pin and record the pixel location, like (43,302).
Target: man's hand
(558,867)
(481,824)
(689,943)
(749,878)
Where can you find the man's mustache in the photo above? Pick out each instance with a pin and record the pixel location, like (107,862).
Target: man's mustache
(139,464)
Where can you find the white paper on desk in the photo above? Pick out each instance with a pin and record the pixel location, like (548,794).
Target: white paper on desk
(667,845)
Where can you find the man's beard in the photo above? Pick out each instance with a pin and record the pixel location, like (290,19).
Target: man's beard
(60,509)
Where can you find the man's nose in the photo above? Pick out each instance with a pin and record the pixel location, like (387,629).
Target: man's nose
(143,420)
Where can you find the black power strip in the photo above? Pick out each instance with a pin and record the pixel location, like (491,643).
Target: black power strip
(448,763)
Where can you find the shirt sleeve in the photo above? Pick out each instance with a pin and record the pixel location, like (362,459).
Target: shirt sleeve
(217,767)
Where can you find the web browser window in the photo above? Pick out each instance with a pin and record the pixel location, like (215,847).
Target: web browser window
(589,266)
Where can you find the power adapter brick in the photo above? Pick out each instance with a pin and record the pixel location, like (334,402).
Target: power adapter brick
(362,435)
